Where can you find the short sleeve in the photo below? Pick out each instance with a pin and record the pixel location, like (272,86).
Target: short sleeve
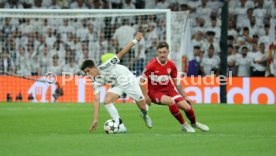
(146,72)
(174,71)
(109,64)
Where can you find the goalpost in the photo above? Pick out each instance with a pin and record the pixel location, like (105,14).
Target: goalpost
(38,41)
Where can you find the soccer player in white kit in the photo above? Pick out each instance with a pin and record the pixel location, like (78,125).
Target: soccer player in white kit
(121,80)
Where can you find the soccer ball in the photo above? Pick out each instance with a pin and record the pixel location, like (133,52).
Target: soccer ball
(111,127)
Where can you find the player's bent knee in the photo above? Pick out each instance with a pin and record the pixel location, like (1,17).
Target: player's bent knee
(184,105)
(107,101)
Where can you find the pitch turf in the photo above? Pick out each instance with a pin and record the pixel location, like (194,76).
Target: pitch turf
(62,129)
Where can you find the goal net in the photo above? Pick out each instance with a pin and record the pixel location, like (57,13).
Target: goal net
(36,42)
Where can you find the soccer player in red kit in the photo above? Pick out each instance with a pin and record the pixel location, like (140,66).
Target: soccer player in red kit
(161,76)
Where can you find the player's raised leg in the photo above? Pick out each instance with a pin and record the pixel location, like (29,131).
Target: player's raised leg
(110,97)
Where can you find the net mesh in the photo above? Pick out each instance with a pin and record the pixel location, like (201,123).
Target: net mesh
(35,42)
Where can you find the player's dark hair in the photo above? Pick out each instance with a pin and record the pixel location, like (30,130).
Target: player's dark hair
(87,64)
(162,45)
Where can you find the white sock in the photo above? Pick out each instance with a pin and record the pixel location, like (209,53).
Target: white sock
(113,112)
(145,111)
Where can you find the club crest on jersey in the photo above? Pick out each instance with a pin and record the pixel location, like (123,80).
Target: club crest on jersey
(169,70)
(114,60)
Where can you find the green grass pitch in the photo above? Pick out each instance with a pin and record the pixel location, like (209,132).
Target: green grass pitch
(62,130)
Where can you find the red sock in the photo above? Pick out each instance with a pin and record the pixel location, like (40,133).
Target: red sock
(191,115)
(176,113)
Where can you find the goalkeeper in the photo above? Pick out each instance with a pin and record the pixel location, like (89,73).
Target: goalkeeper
(121,80)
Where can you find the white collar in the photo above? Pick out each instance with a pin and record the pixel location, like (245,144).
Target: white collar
(160,62)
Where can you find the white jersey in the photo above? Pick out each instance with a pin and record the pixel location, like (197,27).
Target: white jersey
(243,64)
(113,74)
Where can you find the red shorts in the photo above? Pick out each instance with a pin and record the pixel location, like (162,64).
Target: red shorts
(156,96)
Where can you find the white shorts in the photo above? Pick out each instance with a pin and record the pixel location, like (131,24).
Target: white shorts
(132,90)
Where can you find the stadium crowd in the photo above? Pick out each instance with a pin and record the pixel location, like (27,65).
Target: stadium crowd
(36,46)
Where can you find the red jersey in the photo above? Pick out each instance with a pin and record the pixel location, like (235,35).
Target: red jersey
(159,75)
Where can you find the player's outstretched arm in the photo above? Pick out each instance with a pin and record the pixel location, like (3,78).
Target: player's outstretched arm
(129,45)
(96,112)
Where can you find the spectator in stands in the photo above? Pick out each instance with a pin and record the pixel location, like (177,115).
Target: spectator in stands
(200,25)
(151,51)
(209,62)
(243,63)
(70,40)
(11,47)
(91,35)
(71,66)
(58,49)
(128,4)
(78,4)
(13,4)
(245,38)
(231,60)
(260,12)
(83,56)
(116,4)
(44,59)
(65,29)
(41,43)
(50,38)
(232,30)
(33,60)
(102,46)
(203,10)
(56,65)
(6,28)
(32,40)
(122,35)
(150,4)
(97,4)
(194,64)
(106,4)
(253,28)
(214,5)
(214,27)
(76,43)
(197,40)
(239,9)
(151,35)
(259,61)
(37,4)
(22,66)
(6,63)
(140,56)
(211,41)
(265,38)
(162,4)
(83,31)
(54,5)
(68,55)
